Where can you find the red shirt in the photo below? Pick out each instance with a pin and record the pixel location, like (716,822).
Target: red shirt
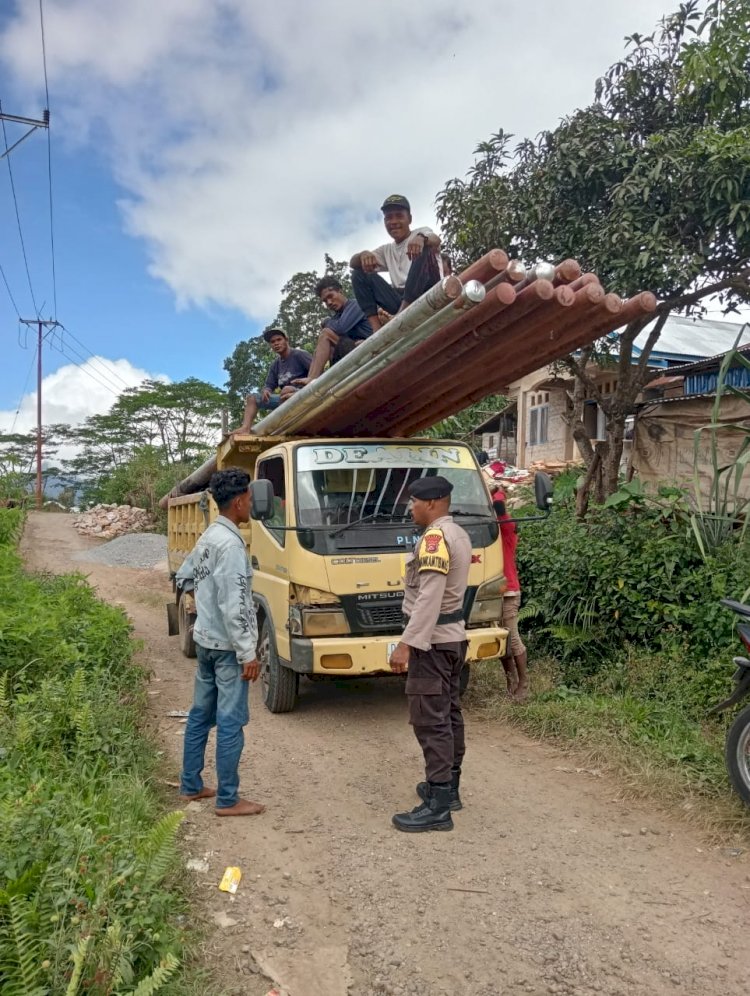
(509,539)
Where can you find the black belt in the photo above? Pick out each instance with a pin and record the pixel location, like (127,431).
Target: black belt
(443,619)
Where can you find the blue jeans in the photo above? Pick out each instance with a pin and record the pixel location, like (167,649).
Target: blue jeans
(271,405)
(220,699)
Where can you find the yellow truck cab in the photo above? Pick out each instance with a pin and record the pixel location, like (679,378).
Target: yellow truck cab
(328,563)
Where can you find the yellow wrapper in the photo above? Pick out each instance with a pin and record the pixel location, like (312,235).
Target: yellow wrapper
(230,880)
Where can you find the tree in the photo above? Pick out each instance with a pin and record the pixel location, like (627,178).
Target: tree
(18,460)
(461,425)
(299,315)
(153,435)
(649,187)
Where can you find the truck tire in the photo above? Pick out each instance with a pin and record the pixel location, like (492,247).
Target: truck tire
(463,680)
(738,755)
(279,684)
(186,621)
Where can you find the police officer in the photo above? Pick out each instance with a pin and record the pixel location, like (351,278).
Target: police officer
(433,647)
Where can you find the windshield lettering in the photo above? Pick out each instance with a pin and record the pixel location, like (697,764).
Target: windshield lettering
(389,456)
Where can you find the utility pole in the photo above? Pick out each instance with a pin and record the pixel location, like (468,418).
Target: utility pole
(40,324)
(33,123)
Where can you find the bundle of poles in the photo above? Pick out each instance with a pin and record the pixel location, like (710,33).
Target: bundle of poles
(468,337)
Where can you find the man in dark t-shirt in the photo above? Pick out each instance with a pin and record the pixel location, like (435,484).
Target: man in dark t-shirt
(346,327)
(289,365)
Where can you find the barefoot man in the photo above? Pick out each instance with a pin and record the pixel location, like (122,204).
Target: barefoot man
(226,635)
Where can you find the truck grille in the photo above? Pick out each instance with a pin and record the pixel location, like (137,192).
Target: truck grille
(380,617)
(374,612)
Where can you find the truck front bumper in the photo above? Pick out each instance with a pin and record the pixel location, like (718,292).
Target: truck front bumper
(348,655)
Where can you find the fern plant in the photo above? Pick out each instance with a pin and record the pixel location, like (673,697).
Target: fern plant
(159,977)
(21,948)
(79,960)
(158,850)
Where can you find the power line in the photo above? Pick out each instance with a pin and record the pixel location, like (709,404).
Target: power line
(89,373)
(44,51)
(23,393)
(10,292)
(51,223)
(18,215)
(93,356)
(49,163)
(103,376)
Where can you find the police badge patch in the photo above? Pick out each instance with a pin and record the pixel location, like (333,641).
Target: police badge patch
(433,553)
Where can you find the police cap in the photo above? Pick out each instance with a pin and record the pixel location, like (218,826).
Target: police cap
(430,488)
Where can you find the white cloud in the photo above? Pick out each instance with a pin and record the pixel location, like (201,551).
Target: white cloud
(251,138)
(73,392)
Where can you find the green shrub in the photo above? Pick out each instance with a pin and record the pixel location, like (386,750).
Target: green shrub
(86,902)
(11,523)
(627,576)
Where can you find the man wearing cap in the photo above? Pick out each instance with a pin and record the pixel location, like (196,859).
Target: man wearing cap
(410,261)
(289,365)
(433,648)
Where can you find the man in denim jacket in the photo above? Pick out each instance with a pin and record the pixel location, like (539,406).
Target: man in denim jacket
(225,634)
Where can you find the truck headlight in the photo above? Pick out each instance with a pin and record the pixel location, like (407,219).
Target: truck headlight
(317,621)
(488,602)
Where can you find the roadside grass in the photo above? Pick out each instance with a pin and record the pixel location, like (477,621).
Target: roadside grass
(90,894)
(660,751)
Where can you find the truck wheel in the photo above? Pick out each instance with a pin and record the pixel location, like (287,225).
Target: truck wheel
(463,680)
(279,684)
(186,620)
(738,755)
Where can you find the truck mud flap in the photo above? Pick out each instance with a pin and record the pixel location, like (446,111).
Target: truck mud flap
(173,620)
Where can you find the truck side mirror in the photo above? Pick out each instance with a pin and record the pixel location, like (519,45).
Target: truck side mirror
(261,493)
(543,491)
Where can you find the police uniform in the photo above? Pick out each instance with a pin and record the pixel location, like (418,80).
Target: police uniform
(435,579)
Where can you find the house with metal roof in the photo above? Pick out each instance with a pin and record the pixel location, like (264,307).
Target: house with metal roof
(533,427)
(671,439)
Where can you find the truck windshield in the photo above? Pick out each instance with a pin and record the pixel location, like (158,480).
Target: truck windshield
(352,487)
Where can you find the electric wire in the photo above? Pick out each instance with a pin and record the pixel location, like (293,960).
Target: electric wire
(18,218)
(44,51)
(103,374)
(23,393)
(10,292)
(94,357)
(49,165)
(89,373)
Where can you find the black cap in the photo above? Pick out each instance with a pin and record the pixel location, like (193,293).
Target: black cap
(396,202)
(270,333)
(430,488)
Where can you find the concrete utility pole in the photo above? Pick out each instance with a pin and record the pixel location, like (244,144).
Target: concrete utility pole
(40,324)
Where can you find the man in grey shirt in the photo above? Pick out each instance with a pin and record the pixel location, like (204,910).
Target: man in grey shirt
(225,634)
(289,365)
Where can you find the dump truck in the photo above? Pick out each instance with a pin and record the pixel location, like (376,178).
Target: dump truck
(328,560)
(338,458)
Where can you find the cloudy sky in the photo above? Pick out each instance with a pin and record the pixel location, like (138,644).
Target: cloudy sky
(205,150)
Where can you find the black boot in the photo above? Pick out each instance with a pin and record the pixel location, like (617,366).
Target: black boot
(423,790)
(433,814)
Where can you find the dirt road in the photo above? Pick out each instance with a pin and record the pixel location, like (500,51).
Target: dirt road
(548,884)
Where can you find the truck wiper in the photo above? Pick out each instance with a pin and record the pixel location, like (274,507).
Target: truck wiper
(372,517)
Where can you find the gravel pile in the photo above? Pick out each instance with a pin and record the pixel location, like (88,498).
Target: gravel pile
(143,550)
